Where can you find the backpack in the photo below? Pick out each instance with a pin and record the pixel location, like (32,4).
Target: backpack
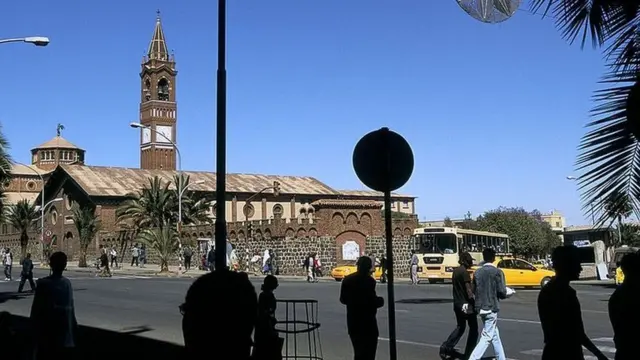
(305,262)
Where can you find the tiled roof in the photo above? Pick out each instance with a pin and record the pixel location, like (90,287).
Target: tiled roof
(338,203)
(11,198)
(365,193)
(57,142)
(114,181)
(29,170)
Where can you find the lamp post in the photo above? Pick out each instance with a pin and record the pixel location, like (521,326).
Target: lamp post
(179,227)
(245,209)
(35,40)
(136,125)
(593,220)
(42,206)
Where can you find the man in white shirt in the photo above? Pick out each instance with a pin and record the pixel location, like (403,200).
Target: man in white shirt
(53,314)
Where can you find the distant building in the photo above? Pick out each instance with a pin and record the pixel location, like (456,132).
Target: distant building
(556,220)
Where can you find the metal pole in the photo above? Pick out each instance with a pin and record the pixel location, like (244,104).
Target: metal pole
(221,134)
(44,257)
(391,304)
(179,225)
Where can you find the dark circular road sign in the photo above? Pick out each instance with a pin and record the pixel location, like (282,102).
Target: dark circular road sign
(383,160)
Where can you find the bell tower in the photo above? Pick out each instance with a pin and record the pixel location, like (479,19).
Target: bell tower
(158,108)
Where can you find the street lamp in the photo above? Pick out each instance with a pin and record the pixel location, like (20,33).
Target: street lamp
(179,227)
(245,209)
(42,206)
(574,178)
(35,40)
(136,125)
(42,209)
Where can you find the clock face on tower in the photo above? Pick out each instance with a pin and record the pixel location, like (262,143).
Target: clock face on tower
(146,135)
(165,134)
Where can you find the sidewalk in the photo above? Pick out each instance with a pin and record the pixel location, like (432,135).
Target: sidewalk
(154,270)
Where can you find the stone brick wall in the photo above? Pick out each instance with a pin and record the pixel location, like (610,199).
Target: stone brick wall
(290,251)
(401,252)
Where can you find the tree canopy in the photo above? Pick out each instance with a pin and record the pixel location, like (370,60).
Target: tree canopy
(529,234)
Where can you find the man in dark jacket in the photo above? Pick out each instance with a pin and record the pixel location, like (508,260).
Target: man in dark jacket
(463,308)
(27,273)
(358,293)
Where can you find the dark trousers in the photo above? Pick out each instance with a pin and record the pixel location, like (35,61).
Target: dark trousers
(187,262)
(364,346)
(462,320)
(114,261)
(134,260)
(23,279)
(7,271)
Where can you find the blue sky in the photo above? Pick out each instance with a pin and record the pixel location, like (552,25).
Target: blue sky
(493,112)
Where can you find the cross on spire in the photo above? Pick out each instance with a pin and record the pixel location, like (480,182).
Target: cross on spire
(158,46)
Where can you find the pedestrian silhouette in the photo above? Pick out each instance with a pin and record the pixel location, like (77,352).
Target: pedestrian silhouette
(463,308)
(623,313)
(268,345)
(219,315)
(358,293)
(560,313)
(53,314)
(26,274)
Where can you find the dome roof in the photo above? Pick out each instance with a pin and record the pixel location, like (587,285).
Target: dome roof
(57,142)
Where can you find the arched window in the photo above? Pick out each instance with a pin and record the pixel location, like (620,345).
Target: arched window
(163,90)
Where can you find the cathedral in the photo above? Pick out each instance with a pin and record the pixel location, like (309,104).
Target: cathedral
(304,207)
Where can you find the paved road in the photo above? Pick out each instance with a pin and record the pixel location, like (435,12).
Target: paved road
(424,313)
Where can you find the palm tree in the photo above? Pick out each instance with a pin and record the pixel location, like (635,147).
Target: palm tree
(153,207)
(88,225)
(609,151)
(617,207)
(5,159)
(164,240)
(195,208)
(23,216)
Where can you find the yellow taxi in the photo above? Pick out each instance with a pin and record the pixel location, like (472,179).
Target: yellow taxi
(519,273)
(341,272)
(619,276)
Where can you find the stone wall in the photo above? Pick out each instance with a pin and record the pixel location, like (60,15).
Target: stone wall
(402,247)
(290,252)
(34,247)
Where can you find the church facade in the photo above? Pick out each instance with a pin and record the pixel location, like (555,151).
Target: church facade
(304,208)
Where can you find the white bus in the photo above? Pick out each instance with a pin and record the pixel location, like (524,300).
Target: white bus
(438,248)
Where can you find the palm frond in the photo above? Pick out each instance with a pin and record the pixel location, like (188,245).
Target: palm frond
(580,19)
(609,153)
(5,159)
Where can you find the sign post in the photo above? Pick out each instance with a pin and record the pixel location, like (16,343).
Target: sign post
(383,161)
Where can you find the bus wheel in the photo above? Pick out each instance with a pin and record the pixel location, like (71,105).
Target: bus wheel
(545,281)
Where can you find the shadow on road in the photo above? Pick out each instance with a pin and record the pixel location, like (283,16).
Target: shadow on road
(12,295)
(123,345)
(424,301)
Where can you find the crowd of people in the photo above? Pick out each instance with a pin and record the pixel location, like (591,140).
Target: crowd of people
(558,309)
(250,331)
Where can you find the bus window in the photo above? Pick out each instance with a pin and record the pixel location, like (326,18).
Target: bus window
(444,243)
